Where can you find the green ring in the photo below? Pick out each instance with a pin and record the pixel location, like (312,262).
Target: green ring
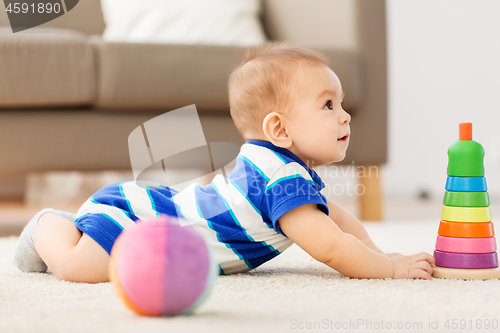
(466,199)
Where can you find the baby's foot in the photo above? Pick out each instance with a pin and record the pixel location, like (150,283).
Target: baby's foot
(26,257)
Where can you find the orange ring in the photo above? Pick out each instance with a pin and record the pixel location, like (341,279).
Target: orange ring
(466,229)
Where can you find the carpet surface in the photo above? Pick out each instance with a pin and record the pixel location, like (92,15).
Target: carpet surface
(288,294)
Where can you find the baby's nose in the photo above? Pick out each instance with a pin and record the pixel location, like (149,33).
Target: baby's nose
(345,118)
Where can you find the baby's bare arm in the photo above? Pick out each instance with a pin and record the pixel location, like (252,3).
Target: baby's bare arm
(319,236)
(348,223)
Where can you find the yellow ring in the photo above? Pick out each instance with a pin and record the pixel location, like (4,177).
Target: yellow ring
(466,214)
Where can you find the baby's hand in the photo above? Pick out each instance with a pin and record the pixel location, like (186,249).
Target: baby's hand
(418,266)
(392,254)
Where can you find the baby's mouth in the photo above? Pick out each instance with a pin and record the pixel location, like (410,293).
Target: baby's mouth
(344,138)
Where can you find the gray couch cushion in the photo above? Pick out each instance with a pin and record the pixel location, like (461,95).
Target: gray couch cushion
(164,76)
(159,76)
(46,67)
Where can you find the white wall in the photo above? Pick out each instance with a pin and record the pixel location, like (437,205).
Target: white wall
(444,68)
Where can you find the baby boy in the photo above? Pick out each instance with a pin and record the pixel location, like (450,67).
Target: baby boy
(287,104)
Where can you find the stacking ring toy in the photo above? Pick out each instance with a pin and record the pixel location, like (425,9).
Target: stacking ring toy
(466,199)
(466,229)
(466,260)
(466,214)
(466,245)
(466,184)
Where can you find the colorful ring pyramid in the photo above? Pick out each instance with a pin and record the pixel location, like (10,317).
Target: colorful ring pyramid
(465,245)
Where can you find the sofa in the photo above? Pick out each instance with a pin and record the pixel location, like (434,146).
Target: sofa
(69,99)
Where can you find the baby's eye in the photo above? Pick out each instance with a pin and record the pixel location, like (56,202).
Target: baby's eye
(328,105)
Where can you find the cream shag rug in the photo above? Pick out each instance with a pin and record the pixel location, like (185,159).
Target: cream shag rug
(288,294)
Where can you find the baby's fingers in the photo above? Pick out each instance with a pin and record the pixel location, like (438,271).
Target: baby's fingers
(420,274)
(424,256)
(425,266)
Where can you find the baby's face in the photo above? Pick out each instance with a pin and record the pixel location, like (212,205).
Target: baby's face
(319,126)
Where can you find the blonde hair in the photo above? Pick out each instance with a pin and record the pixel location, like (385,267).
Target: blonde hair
(267,80)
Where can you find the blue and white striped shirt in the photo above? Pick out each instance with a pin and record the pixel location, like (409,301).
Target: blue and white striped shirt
(238,215)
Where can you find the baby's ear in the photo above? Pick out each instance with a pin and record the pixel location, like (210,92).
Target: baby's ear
(275,130)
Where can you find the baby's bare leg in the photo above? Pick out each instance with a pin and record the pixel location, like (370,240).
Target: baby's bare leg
(70,254)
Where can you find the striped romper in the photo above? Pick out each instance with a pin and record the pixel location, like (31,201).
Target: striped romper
(237,215)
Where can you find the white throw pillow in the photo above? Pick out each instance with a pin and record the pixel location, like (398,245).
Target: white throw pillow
(219,22)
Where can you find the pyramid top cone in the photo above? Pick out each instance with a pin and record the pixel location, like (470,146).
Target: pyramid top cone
(465,156)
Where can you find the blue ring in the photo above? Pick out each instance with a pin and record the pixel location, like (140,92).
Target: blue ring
(466,184)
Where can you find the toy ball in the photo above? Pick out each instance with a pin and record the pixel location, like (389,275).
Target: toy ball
(160,268)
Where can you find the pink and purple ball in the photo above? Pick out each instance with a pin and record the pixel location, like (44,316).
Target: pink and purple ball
(160,268)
